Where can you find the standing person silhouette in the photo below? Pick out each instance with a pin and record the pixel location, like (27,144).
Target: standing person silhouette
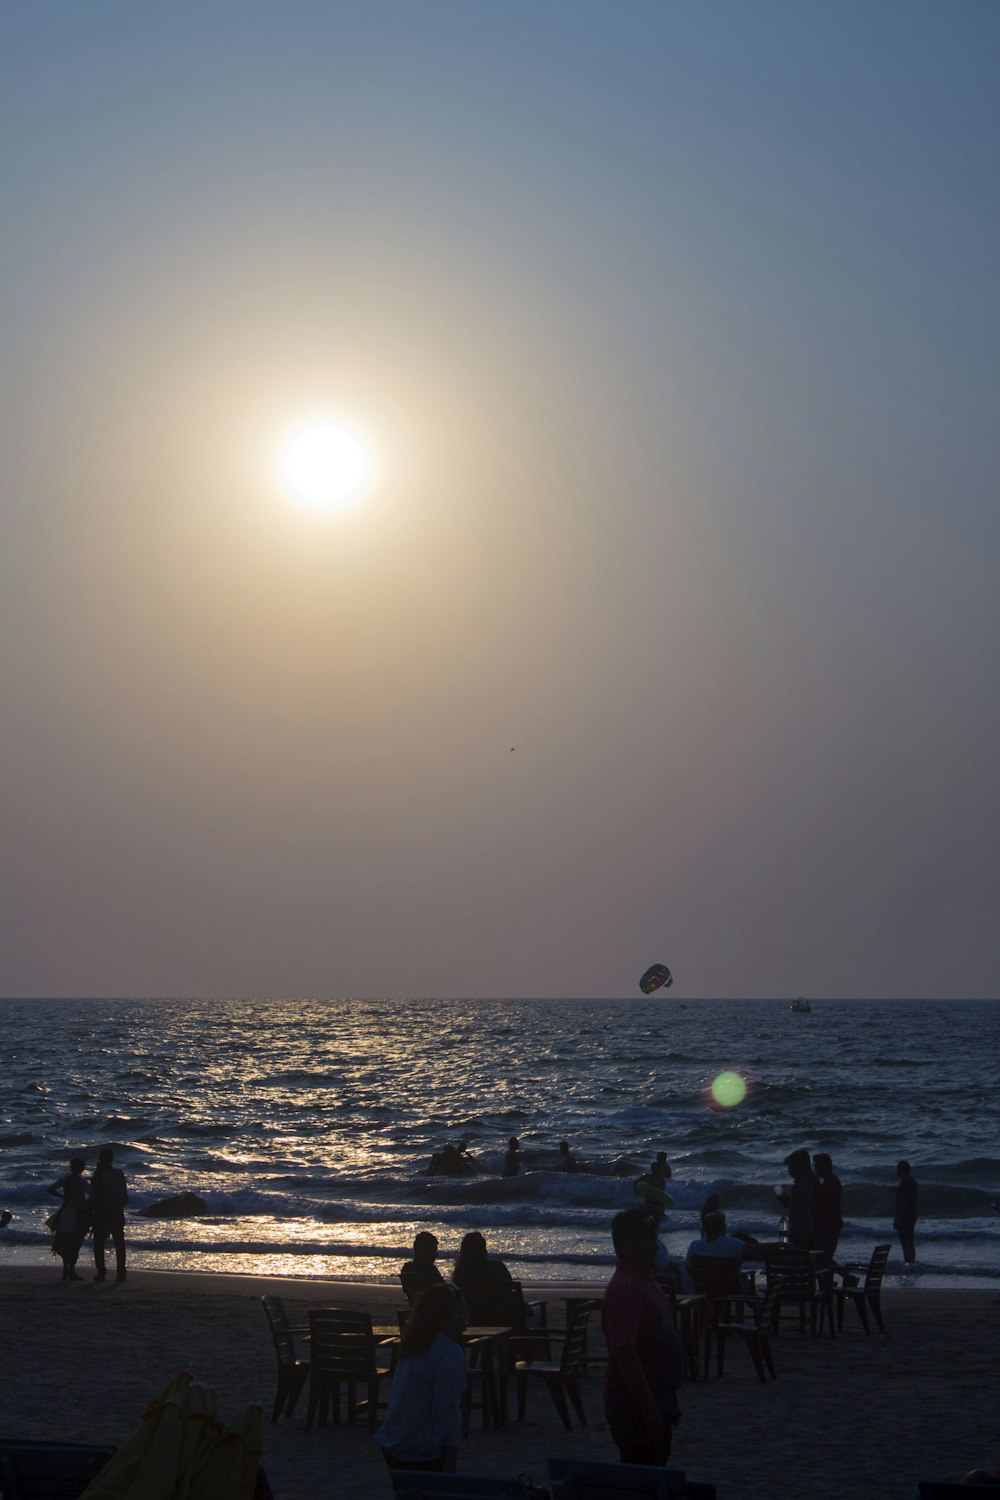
(511,1163)
(71,1220)
(801,1201)
(904,1220)
(829,1219)
(645,1362)
(108,1197)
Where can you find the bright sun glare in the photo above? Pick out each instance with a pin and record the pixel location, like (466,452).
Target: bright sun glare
(326,465)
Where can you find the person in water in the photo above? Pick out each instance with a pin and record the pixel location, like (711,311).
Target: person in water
(568,1162)
(421,1272)
(660,1172)
(904,1220)
(424,1421)
(511,1162)
(829,1219)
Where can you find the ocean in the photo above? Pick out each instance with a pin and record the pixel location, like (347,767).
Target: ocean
(307,1126)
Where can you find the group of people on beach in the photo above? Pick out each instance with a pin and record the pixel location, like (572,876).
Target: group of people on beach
(94,1205)
(813,1205)
(645,1359)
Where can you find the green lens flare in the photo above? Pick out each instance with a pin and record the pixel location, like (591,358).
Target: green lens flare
(729,1089)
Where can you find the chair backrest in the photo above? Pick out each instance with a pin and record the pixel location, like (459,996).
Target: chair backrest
(281,1333)
(715,1275)
(277,1317)
(575,1342)
(49,1471)
(794,1269)
(876,1269)
(341,1343)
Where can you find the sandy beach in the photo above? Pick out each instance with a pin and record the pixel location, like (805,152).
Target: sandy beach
(860,1417)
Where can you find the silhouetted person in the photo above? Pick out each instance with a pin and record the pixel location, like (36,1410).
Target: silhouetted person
(711,1205)
(450,1161)
(511,1164)
(904,1220)
(829,1219)
(568,1162)
(487,1285)
(424,1421)
(72,1218)
(421,1270)
(108,1197)
(800,1201)
(716,1244)
(660,1173)
(645,1363)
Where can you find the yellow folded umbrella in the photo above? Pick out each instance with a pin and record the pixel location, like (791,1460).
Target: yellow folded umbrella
(182,1450)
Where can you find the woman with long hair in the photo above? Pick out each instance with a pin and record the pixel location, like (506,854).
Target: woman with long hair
(424,1420)
(72,1221)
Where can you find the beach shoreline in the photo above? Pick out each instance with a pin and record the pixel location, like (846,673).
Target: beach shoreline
(90,1356)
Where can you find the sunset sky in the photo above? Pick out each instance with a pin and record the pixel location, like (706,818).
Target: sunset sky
(666,624)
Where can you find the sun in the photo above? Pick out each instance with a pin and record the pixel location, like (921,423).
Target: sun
(326,465)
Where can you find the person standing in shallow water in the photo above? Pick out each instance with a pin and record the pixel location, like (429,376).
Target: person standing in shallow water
(108,1197)
(511,1162)
(71,1218)
(904,1220)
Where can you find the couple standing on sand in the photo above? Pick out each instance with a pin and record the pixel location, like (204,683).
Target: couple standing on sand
(98,1206)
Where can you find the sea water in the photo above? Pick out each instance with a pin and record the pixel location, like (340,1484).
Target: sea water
(307,1126)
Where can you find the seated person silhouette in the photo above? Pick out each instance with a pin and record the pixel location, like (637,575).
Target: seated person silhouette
(421,1270)
(490,1293)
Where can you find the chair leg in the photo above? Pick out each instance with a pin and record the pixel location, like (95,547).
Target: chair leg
(574,1395)
(522,1396)
(765,1349)
(875,1303)
(558,1394)
(279,1400)
(752,1340)
(720,1356)
(297,1387)
(859,1303)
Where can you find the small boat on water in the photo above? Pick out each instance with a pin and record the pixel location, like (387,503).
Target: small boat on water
(801,1007)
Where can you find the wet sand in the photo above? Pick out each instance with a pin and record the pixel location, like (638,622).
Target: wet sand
(859,1417)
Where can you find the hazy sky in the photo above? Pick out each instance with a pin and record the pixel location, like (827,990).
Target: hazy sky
(675,327)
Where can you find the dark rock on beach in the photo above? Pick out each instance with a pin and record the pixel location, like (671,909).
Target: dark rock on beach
(180,1206)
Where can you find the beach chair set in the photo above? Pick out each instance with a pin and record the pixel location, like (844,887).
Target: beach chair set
(349,1358)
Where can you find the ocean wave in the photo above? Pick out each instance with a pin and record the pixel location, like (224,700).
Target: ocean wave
(22,1138)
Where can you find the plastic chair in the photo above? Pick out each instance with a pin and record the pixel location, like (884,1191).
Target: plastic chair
(755,1333)
(292,1371)
(562,1377)
(867,1296)
(803,1288)
(344,1353)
